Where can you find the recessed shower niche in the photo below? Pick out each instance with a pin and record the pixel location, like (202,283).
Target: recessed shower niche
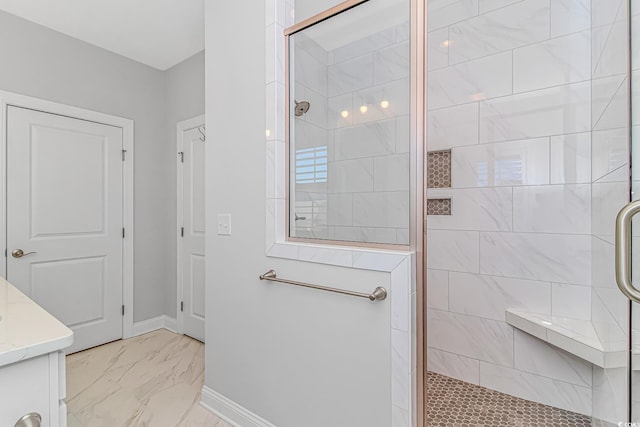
(348,125)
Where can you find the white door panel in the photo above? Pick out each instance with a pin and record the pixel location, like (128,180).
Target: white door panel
(193,214)
(55,281)
(55,195)
(197,286)
(64,203)
(196,175)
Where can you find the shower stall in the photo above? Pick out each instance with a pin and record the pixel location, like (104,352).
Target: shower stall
(531,112)
(529,159)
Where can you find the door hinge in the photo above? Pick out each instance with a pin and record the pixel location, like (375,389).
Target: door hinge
(5,253)
(123,310)
(181,305)
(181,231)
(124,152)
(181,154)
(123,233)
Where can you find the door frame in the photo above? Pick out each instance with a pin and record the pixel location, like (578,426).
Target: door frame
(8,99)
(180,129)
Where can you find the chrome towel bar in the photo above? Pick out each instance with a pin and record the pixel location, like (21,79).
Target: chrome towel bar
(378,293)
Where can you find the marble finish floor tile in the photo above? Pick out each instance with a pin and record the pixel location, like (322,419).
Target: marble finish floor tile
(150,380)
(450,402)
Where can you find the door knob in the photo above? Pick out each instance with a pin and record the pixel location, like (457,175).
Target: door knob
(19,253)
(30,420)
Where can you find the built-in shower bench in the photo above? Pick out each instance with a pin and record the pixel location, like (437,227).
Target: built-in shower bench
(574,336)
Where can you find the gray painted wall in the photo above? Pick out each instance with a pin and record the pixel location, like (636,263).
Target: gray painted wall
(46,64)
(294,356)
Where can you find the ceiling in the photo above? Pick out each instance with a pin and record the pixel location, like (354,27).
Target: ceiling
(159,33)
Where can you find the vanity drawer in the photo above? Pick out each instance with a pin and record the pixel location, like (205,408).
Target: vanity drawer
(25,388)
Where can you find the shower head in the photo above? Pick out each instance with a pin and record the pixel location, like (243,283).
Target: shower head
(301,107)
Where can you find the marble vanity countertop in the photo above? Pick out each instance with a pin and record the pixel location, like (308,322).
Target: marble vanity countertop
(26,329)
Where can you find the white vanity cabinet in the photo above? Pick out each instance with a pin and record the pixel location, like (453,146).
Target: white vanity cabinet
(32,363)
(35,385)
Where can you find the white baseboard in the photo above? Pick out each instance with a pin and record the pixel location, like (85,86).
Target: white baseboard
(230,411)
(170,324)
(155,323)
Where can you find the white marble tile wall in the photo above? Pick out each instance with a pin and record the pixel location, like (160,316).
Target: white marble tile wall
(486,209)
(443,13)
(571,301)
(359,95)
(453,365)
(489,297)
(367,115)
(452,127)
(603,89)
(610,394)
(554,62)
(350,76)
(371,44)
(519,92)
(526,22)
(610,192)
(396,95)
(550,362)
(570,158)
(554,111)
(438,289)
(438,48)
(552,209)
(365,141)
(539,388)
(513,163)
(610,41)
(482,78)
(610,166)
(607,199)
(560,258)
(453,250)
(381,209)
(476,338)
(309,201)
(570,16)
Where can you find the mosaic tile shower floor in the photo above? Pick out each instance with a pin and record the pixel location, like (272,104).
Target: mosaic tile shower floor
(454,403)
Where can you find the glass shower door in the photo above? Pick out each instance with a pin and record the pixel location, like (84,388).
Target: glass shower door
(634,24)
(628,240)
(529,102)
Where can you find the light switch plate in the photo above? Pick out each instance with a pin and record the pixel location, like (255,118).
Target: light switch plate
(224,224)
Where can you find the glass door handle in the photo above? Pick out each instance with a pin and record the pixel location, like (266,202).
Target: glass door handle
(623,250)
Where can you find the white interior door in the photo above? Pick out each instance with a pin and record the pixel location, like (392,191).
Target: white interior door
(192,234)
(64,211)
